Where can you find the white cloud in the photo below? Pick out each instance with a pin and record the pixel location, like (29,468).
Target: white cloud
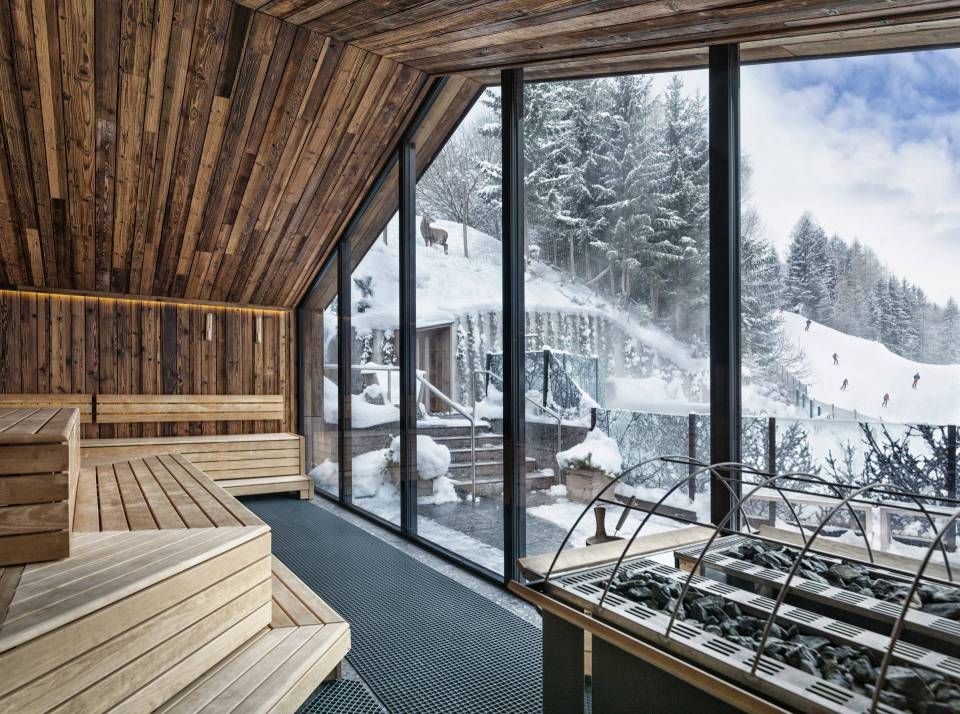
(867,166)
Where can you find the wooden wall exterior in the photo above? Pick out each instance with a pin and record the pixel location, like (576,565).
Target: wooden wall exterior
(72,344)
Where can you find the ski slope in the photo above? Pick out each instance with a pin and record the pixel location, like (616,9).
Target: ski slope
(873,370)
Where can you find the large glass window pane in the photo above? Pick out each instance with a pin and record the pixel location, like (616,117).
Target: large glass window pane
(374,366)
(851,171)
(459,309)
(318,349)
(617,319)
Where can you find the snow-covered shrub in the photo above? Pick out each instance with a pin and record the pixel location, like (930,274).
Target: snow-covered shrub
(491,406)
(370,472)
(597,452)
(433,459)
(373,394)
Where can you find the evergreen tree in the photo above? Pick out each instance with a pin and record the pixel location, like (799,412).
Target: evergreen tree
(806,291)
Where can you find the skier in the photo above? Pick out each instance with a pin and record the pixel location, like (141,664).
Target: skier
(846,383)
(836,360)
(886,400)
(916,378)
(807,328)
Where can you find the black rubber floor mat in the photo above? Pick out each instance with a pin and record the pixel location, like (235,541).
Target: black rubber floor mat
(422,642)
(341,697)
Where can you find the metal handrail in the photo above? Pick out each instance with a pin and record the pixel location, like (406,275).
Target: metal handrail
(535,403)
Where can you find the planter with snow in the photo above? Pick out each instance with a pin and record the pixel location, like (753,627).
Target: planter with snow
(590,466)
(433,461)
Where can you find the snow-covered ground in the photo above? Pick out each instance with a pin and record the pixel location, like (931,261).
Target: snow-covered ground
(873,370)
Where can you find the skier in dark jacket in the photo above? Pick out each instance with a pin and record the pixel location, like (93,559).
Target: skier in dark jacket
(807,328)
(836,360)
(846,383)
(886,400)
(916,378)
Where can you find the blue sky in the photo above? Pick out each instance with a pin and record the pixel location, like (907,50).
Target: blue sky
(871,145)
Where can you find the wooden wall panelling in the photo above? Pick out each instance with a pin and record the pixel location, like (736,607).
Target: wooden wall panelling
(487,35)
(63,344)
(76,32)
(183,148)
(10,343)
(283,127)
(364,151)
(17,169)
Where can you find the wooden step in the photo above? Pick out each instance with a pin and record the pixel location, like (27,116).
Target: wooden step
(491,486)
(483,453)
(303,485)
(132,614)
(463,442)
(276,670)
(464,470)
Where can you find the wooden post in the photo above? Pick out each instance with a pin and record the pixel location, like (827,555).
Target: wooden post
(772,464)
(951,480)
(692,453)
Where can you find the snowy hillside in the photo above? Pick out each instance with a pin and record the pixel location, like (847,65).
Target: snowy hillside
(873,370)
(450,285)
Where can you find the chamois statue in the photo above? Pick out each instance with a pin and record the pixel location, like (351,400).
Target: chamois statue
(432,235)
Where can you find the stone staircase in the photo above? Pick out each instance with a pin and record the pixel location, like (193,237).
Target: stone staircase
(489,455)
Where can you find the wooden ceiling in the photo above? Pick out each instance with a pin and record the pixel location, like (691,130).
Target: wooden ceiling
(210,150)
(184,148)
(480,36)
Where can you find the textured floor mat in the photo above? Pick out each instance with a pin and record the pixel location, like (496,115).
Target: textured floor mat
(342,697)
(422,642)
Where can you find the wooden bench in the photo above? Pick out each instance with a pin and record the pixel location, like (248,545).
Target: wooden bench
(243,464)
(81,402)
(39,467)
(219,625)
(167,577)
(165,408)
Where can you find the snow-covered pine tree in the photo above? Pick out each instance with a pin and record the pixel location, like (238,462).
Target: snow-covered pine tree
(948,347)
(805,288)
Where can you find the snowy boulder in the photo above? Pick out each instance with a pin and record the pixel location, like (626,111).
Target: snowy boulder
(598,452)
(433,459)
(325,475)
(373,394)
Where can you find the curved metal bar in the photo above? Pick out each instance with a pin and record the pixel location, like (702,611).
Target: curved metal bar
(726,519)
(898,625)
(933,525)
(793,570)
(586,510)
(752,470)
(646,518)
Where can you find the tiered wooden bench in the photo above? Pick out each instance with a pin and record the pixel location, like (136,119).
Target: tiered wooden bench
(241,464)
(39,466)
(170,599)
(279,668)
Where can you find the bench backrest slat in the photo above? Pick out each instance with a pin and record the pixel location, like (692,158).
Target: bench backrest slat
(138,408)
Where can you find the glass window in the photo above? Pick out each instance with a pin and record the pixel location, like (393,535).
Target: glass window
(849,308)
(459,311)
(318,349)
(617,319)
(374,431)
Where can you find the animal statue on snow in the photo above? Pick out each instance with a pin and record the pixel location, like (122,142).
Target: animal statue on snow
(432,235)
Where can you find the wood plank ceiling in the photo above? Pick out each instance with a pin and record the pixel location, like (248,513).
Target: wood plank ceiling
(183,148)
(480,36)
(209,150)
